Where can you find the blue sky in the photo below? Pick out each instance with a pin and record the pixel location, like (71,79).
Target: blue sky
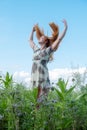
(16,20)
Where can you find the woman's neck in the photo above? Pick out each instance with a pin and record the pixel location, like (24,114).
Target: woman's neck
(42,47)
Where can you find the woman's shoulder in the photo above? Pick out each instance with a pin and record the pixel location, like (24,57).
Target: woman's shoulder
(49,50)
(36,48)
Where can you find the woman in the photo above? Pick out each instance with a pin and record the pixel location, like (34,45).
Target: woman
(42,55)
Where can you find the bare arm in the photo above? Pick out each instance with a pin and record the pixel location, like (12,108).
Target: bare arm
(32,44)
(60,37)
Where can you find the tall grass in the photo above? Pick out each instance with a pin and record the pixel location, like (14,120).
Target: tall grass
(63,109)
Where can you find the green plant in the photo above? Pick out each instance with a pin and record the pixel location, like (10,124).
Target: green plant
(63,109)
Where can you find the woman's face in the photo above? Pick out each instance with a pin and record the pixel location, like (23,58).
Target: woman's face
(42,39)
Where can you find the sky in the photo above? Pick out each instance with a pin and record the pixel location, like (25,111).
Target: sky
(17,17)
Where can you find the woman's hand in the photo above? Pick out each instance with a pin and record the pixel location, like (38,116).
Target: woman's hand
(65,22)
(34,27)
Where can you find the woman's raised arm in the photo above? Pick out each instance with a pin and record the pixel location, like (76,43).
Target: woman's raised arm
(60,37)
(32,44)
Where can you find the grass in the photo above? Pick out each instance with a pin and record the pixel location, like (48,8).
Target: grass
(63,109)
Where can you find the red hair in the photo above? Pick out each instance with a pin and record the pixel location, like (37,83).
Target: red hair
(55,33)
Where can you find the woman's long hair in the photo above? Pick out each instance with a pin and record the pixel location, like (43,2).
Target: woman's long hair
(51,39)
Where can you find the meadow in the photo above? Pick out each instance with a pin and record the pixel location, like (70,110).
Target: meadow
(65,108)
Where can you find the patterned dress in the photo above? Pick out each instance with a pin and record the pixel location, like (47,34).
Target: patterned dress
(39,73)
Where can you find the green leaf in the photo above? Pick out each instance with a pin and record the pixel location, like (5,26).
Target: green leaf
(59,94)
(62,85)
(70,90)
(67,123)
(80,96)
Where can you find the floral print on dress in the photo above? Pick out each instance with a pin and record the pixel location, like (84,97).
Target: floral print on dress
(39,73)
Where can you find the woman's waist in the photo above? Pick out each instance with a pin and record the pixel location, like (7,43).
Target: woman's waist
(40,62)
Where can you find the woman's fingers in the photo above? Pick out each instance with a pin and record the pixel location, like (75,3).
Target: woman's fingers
(65,22)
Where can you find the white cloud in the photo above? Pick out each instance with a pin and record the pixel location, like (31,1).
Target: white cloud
(54,74)
(22,76)
(64,72)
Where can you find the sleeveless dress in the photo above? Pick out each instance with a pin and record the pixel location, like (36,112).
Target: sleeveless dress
(39,72)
